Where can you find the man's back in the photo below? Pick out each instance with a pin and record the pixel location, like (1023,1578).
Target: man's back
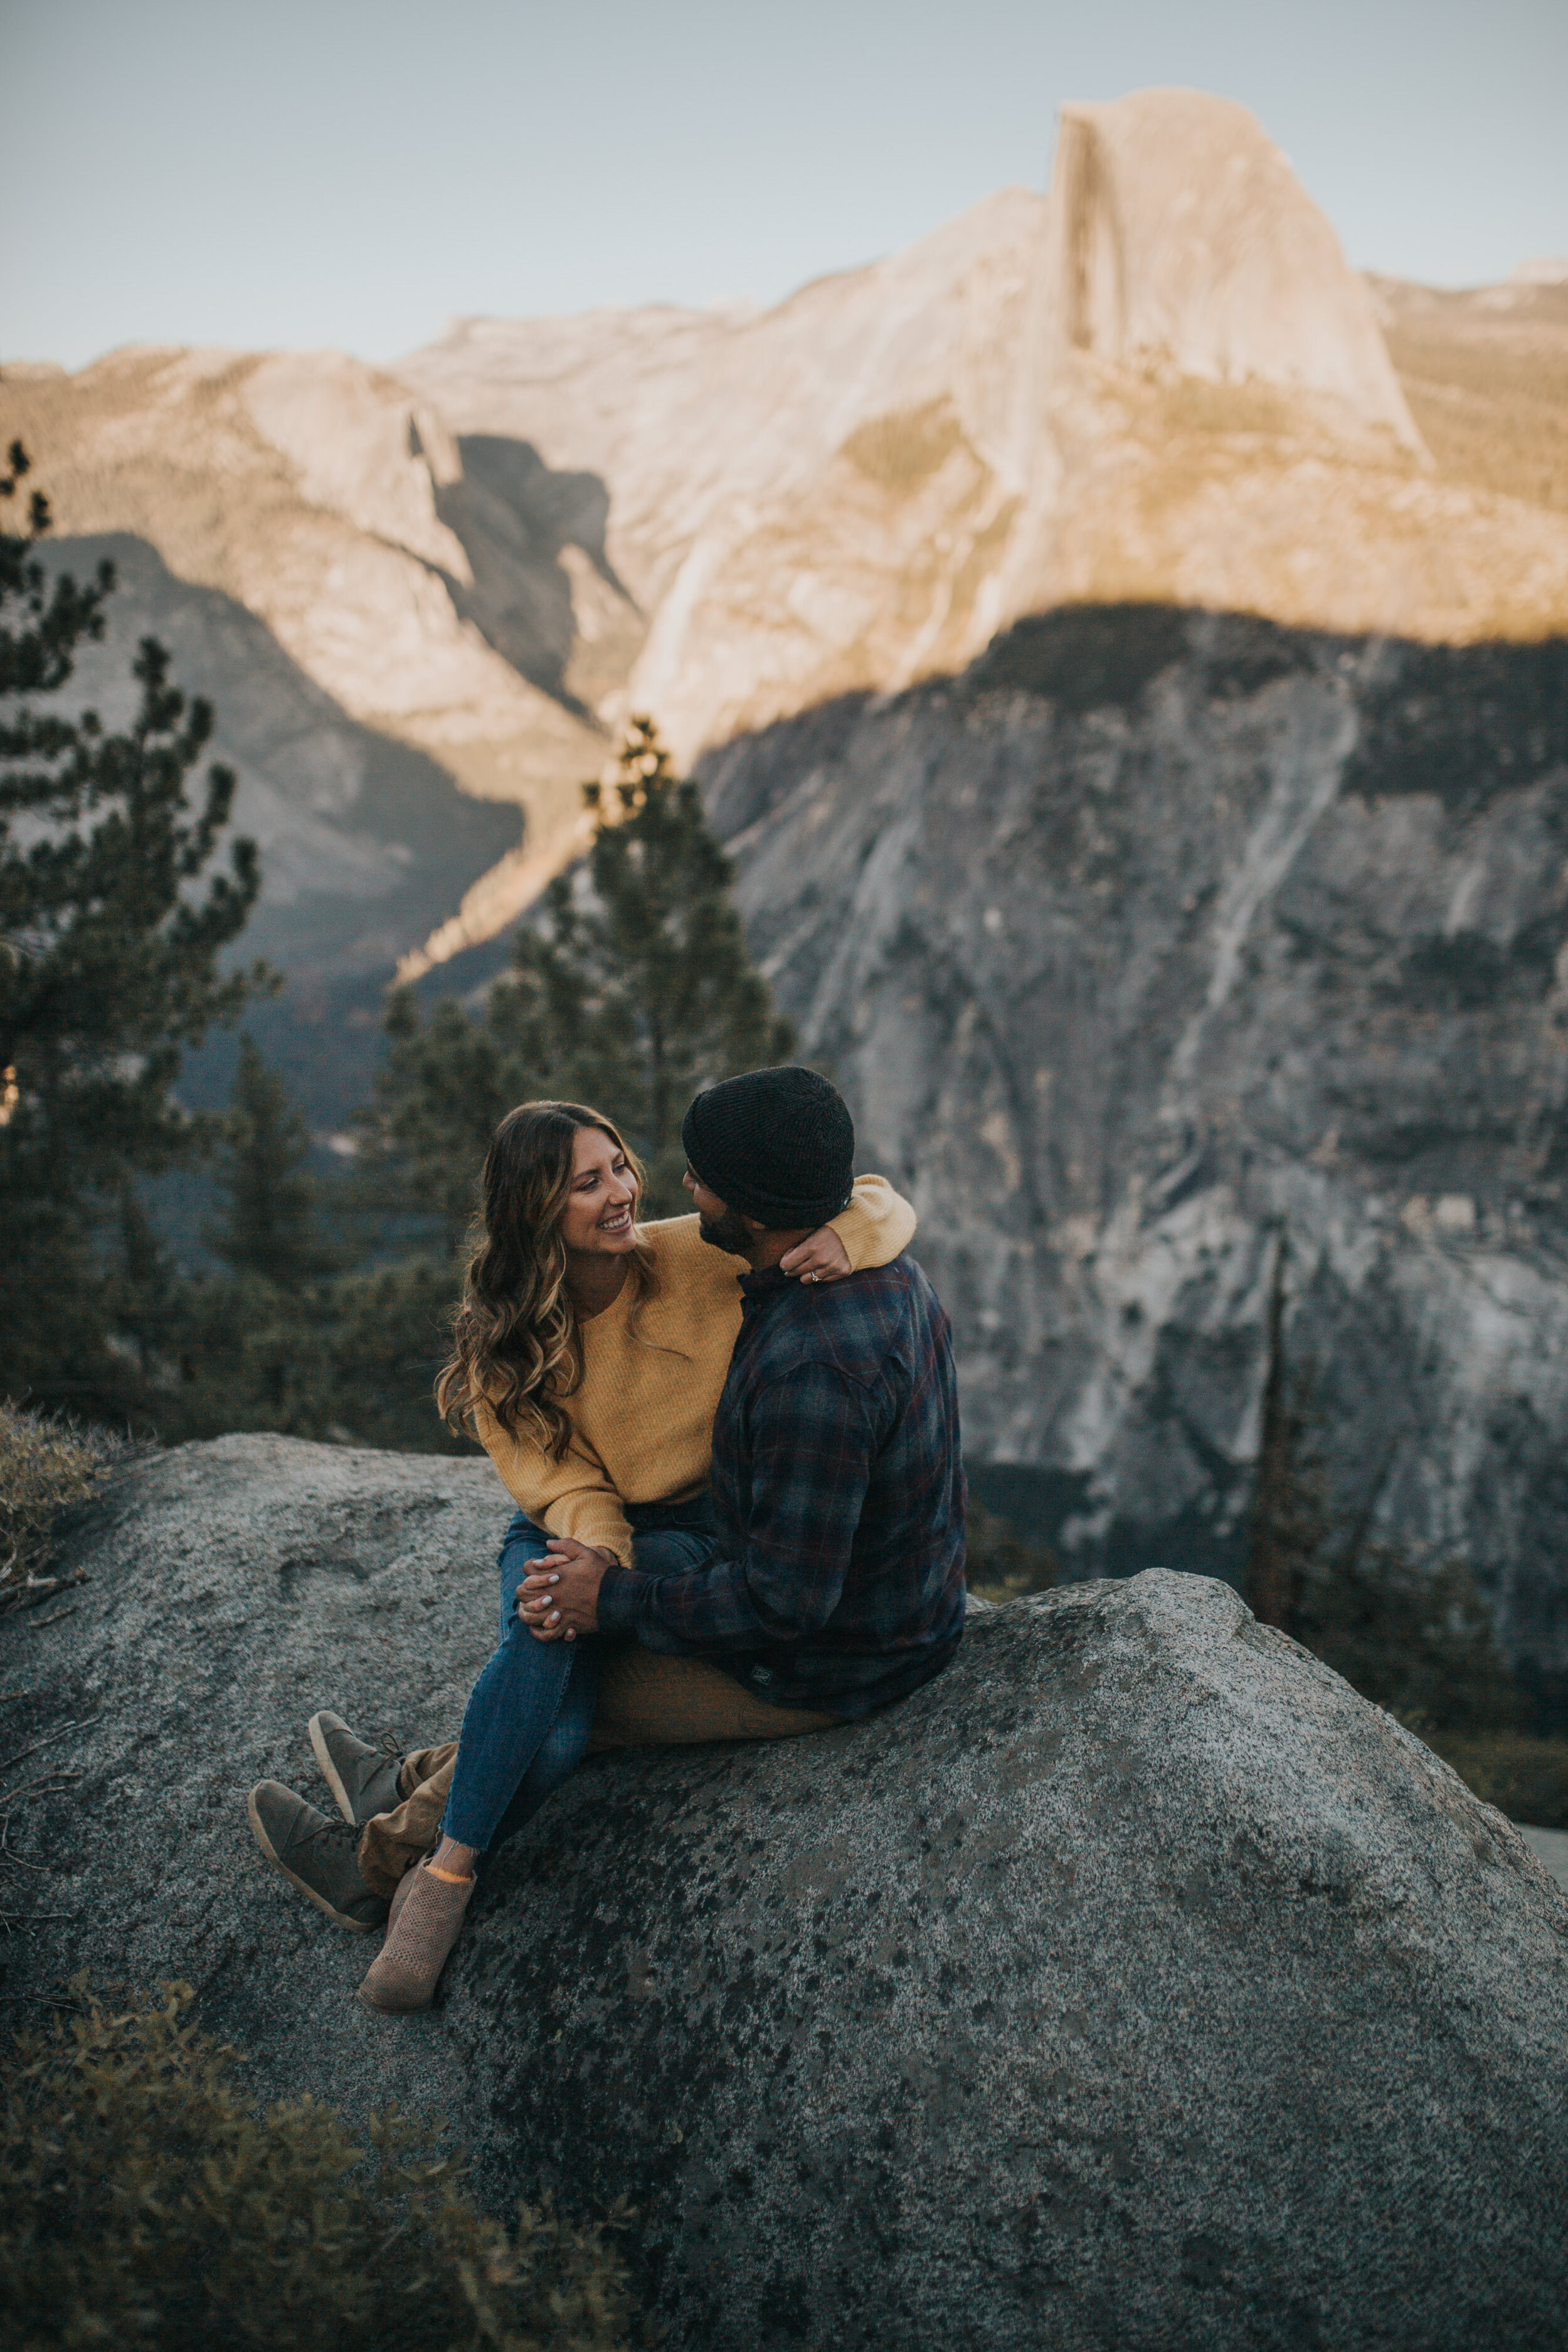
(839,1481)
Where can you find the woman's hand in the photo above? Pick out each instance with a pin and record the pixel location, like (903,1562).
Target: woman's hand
(821,1258)
(560,1600)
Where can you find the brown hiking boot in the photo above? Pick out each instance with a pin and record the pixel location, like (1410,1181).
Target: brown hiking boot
(363,1779)
(316,1855)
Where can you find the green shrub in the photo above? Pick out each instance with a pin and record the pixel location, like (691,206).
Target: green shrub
(147,2203)
(1524,1776)
(43,1465)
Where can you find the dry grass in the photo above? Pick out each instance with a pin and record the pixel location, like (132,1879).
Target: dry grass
(149,2203)
(44,1465)
(1515,445)
(1487,387)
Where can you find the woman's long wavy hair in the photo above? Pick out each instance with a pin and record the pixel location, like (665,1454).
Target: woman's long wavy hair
(515,1345)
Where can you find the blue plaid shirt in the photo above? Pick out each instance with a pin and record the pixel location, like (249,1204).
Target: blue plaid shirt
(838,1501)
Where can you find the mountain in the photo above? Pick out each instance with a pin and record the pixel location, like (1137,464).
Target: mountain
(1485,373)
(1158,382)
(366,841)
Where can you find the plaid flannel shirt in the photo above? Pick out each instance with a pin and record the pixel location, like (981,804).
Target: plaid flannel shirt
(839,1500)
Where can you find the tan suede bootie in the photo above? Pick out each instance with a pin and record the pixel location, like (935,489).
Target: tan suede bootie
(404,1888)
(426,1920)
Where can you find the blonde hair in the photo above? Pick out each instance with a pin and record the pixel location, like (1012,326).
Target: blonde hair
(515,1343)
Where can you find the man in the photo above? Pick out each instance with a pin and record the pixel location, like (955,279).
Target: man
(835,1582)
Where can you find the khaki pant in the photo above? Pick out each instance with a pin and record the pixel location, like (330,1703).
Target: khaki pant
(644,1701)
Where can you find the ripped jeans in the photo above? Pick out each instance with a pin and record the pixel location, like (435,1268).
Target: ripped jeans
(526,1725)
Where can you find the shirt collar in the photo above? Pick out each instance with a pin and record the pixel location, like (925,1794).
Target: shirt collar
(764,1280)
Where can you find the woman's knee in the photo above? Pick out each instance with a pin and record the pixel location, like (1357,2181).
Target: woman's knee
(527,1542)
(521,1554)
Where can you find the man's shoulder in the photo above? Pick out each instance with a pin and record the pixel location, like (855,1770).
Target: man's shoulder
(851,1326)
(875,1285)
(870,1290)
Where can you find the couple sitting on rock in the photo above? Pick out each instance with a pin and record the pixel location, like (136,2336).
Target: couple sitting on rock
(742,1500)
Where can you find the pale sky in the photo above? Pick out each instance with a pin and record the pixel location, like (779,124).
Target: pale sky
(356,172)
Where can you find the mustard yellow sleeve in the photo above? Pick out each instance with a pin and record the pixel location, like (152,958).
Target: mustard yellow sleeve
(878,1223)
(571,1497)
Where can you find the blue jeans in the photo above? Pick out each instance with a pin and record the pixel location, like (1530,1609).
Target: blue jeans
(526,1725)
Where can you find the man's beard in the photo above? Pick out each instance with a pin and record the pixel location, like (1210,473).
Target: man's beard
(730,1232)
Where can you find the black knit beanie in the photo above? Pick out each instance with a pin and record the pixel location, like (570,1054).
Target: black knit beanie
(776,1145)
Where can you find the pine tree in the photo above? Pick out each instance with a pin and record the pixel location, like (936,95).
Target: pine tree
(269,1226)
(634,988)
(439,1094)
(146,1301)
(389,1334)
(255,1344)
(109,963)
(677,1000)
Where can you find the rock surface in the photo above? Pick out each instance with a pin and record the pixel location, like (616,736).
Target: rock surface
(1180,240)
(1133,1985)
(1154,941)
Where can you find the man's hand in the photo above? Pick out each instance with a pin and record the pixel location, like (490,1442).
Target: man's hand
(561,1599)
(821,1258)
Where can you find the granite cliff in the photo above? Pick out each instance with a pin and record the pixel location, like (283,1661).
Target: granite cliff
(1135,1984)
(1155,944)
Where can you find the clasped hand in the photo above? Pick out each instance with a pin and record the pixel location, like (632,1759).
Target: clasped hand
(561,1599)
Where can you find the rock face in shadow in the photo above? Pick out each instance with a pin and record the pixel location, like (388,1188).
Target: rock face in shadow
(1135,1984)
(1159,941)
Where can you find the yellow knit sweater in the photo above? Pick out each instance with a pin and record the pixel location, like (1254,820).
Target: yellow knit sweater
(642,1420)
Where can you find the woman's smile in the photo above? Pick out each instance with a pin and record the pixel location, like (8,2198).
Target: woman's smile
(599,1219)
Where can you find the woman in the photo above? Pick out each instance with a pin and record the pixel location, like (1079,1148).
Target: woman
(589,1354)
